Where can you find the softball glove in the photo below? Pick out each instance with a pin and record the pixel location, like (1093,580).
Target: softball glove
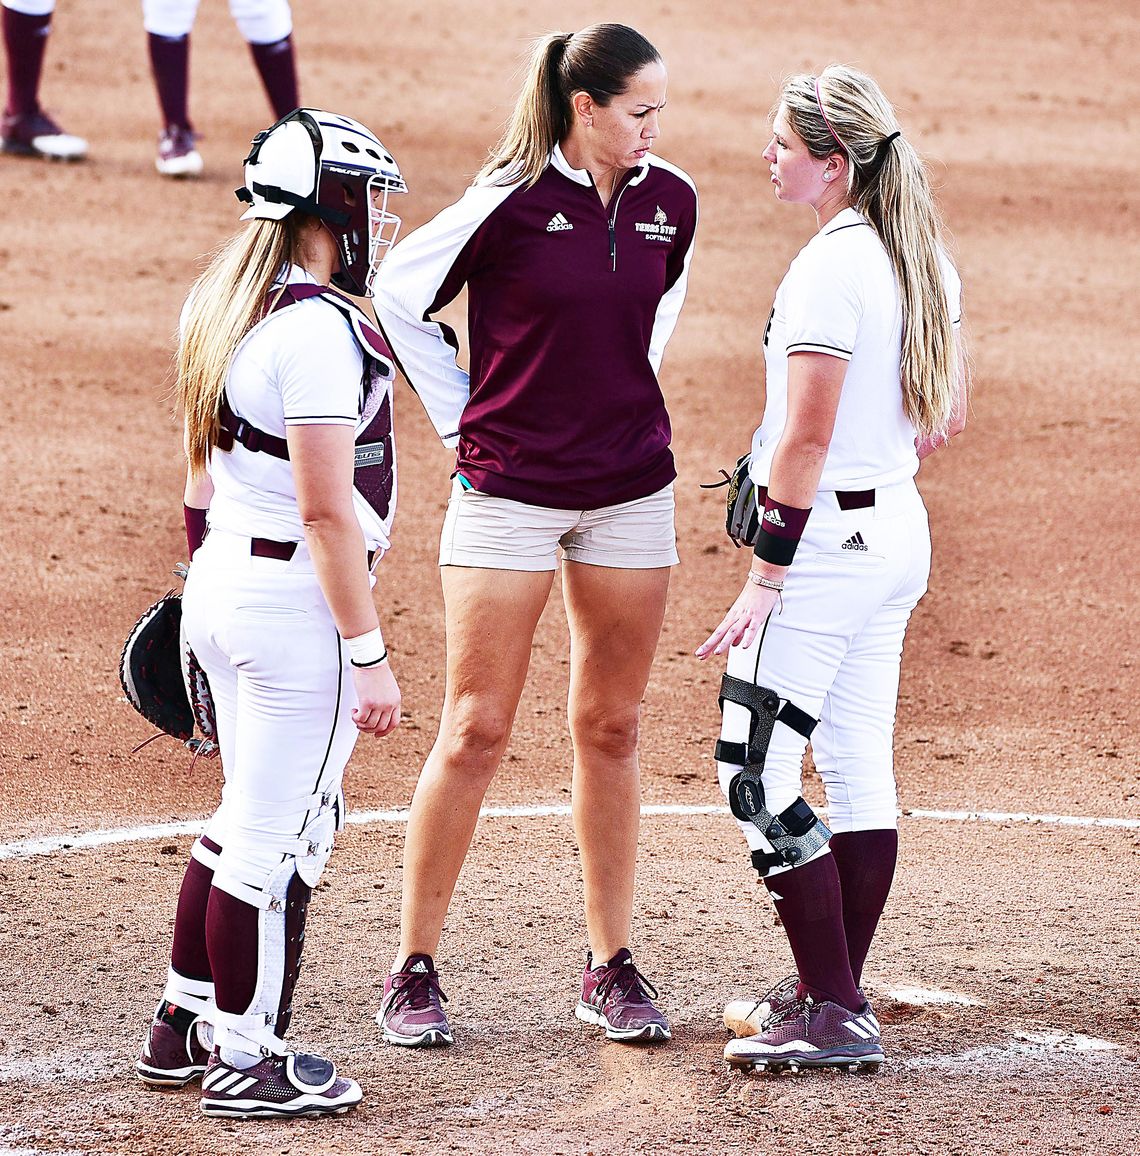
(163,680)
(742,517)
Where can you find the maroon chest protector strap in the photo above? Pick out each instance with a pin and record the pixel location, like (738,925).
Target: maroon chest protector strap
(235,429)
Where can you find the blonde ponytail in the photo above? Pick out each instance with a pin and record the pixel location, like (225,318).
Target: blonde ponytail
(226,302)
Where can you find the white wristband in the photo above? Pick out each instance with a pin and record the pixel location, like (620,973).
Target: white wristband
(367,649)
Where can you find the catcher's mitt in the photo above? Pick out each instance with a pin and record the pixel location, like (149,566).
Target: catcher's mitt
(742,517)
(163,681)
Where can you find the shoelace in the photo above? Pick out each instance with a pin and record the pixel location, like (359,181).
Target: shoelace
(415,989)
(783,991)
(797,1009)
(627,980)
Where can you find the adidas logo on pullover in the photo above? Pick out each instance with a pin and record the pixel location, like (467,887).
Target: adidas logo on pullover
(558,224)
(855,542)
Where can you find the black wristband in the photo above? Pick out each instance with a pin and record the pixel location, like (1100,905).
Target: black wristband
(778,551)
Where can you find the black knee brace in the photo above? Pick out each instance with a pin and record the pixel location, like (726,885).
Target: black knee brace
(796,833)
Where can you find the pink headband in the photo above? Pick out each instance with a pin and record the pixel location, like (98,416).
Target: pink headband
(819,101)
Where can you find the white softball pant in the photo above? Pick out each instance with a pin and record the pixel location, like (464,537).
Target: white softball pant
(835,652)
(284,695)
(259,21)
(31,7)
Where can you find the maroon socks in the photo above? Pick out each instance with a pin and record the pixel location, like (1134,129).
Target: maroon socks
(809,901)
(866,864)
(188,954)
(25,39)
(277,66)
(234,942)
(170,64)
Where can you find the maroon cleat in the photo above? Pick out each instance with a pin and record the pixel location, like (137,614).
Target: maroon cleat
(35,134)
(176,1048)
(295,1084)
(811,1035)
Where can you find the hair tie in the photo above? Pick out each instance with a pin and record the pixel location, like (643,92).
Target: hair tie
(819,101)
(880,157)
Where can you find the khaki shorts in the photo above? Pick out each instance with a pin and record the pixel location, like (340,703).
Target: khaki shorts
(500,534)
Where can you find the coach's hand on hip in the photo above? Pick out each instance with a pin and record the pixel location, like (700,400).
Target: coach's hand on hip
(378,695)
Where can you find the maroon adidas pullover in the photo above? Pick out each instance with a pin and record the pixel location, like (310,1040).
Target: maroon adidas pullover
(570,305)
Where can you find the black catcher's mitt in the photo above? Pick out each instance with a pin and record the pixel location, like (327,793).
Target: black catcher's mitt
(742,517)
(163,681)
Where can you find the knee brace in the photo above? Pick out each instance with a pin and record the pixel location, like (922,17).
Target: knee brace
(796,833)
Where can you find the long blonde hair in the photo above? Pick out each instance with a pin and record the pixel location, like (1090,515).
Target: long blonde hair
(845,111)
(225,302)
(600,60)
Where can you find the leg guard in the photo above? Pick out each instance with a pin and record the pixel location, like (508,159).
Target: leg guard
(796,833)
(278,907)
(192,995)
(254,1029)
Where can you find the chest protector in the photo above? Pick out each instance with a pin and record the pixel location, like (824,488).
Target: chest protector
(375,455)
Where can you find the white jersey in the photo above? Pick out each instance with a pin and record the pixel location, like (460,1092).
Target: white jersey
(299,366)
(840,297)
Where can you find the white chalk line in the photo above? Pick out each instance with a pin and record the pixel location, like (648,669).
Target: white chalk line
(81,841)
(932,997)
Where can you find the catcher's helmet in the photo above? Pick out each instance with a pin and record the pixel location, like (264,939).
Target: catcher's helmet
(335,169)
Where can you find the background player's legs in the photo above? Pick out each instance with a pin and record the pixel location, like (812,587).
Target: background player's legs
(26,129)
(267,26)
(168,24)
(491,619)
(615,618)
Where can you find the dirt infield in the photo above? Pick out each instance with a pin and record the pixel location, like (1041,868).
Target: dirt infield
(1019,680)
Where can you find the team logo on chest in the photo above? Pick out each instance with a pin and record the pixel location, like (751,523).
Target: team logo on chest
(558,224)
(658,229)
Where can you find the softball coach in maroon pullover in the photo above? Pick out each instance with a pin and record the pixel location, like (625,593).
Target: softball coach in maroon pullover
(574,244)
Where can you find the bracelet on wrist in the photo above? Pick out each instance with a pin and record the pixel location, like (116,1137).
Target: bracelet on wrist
(367,649)
(767,583)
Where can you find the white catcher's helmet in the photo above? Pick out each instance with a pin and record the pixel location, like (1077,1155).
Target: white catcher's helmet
(335,169)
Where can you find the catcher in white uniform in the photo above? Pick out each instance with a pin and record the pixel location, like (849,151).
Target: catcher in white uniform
(865,376)
(287,394)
